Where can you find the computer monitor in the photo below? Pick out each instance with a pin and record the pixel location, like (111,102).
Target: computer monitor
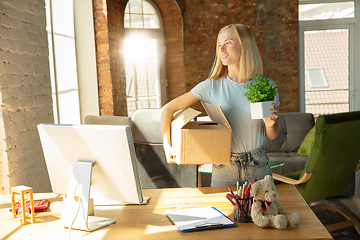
(102,156)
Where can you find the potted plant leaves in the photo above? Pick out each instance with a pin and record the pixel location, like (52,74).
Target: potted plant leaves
(261,95)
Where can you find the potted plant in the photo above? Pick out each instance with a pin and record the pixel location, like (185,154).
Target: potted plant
(261,95)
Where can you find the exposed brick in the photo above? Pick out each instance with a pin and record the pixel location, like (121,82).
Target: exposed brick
(273,23)
(26,93)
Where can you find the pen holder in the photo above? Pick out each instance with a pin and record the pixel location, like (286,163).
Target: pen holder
(242,210)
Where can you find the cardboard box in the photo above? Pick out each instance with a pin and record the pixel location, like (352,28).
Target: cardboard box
(199,142)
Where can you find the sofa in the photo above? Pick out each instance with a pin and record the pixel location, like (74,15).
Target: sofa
(283,150)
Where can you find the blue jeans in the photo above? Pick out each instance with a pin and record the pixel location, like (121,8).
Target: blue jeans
(244,167)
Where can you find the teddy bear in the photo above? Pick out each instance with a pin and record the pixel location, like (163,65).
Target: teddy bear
(266,210)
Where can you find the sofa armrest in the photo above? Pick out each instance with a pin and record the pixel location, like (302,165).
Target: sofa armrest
(287,180)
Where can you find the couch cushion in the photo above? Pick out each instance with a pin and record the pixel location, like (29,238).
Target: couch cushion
(293,162)
(307,143)
(293,128)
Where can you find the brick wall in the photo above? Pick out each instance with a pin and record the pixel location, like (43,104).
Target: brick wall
(191,27)
(174,40)
(103,58)
(117,66)
(109,31)
(274,25)
(25,94)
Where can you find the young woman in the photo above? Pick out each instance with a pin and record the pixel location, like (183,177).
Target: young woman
(237,61)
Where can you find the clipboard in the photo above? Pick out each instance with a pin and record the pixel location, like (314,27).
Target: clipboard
(193,219)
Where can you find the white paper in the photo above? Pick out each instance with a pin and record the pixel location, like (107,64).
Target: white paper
(198,218)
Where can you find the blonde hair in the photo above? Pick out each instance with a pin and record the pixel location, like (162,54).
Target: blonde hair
(250,61)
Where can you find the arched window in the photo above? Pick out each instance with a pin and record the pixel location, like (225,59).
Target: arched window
(141,14)
(144,56)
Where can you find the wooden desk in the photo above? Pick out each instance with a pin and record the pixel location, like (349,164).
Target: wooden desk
(150,222)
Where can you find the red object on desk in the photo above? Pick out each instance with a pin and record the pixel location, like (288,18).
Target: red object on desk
(39,205)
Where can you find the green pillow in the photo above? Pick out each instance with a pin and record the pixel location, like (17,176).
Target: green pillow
(307,143)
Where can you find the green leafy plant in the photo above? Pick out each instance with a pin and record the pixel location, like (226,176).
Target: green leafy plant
(260,90)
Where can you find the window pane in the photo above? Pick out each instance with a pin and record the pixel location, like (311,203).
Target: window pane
(135,6)
(142,76)
(127,21)
(127,8)
(151,21)
(141,14)
(322,11)
(147,8)
(334,63)
(63,71)
(62,15)
(65,63)
(69,115)
(136,21)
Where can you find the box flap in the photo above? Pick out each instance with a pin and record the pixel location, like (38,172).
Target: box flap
(183,117)
(179,120)
(216,114)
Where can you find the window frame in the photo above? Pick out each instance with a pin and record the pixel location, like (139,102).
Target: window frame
(157,13)
(353,25)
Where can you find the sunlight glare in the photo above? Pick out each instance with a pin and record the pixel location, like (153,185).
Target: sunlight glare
(135,48)
(150,229)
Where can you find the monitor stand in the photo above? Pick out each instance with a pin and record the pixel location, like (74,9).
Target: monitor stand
(76,205)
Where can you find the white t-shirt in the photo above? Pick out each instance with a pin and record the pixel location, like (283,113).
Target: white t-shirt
(247,133)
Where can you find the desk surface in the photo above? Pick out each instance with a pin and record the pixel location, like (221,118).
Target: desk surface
(150,222)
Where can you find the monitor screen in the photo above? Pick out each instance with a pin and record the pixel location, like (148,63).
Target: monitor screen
(114,175)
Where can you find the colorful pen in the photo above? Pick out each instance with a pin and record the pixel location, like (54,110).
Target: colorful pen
(230,190)
(237,187)
(230,201)
(242,212)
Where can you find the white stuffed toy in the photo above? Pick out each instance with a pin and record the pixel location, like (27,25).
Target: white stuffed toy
(266,211)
